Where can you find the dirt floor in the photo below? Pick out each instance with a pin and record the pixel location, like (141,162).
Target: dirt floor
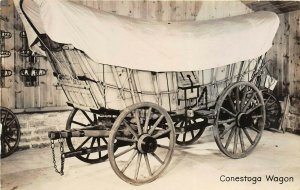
(199,166)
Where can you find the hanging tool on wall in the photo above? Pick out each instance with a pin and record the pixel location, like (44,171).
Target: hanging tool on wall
(24,51)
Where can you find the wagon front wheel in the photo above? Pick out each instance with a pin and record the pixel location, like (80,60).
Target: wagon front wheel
(240,119)
(145,136)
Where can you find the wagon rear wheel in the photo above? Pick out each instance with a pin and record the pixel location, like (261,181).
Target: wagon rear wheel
(79,119)
(145,136)
(10,133)
(240,119)
(273,109)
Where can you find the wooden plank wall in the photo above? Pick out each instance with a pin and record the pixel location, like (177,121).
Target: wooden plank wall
(285,55)
(46,96)
(14,94)
(170,10)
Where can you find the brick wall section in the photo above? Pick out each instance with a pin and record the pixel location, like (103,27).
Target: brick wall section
(35,128)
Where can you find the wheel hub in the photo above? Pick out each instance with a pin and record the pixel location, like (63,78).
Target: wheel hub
(244,120)
(146,144)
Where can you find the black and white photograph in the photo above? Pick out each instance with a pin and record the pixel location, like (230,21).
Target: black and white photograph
(150,94)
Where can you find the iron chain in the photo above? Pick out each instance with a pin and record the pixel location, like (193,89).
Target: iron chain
(61,148)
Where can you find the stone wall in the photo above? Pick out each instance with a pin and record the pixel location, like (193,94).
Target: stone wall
(35,128)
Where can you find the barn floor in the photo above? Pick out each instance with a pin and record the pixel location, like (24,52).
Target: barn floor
(194,167)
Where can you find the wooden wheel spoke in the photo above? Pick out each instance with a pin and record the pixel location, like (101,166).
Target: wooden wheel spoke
(192,133)
(81,124)
(83,143)
(227,130)
(93,142)
(241,140)
(230,137)
(95,118)
(162,146)
(155,124)
(162,133)
(125,151)
(137,166)
(244,96)
(227,111)
(184,136)
(130,129)
(182,124)
(86,115)
(157,158)
(272,103)
(253,109)
(147,120)
(248,102)
(138,123)
(129,161)
(266,102)
(11,122)
(235,142)
(6,142)
(105,141)
(231,104)
(247,135)
(226,121)
(176,123)
(272,109)
(91,146)
(99,146)
(237,96)
(253,129)
(148,164)
(11,138)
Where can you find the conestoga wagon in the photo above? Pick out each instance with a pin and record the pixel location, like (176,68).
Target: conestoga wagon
(138,87)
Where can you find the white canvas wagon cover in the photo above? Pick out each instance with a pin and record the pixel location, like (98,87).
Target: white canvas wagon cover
(148,45)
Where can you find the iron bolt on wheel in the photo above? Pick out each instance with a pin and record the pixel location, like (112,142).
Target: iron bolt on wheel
(190,135)
(240,119)
(79,119)
(145,136)
(10,133)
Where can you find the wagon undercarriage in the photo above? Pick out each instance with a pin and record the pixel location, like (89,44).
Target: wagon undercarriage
(146,130)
